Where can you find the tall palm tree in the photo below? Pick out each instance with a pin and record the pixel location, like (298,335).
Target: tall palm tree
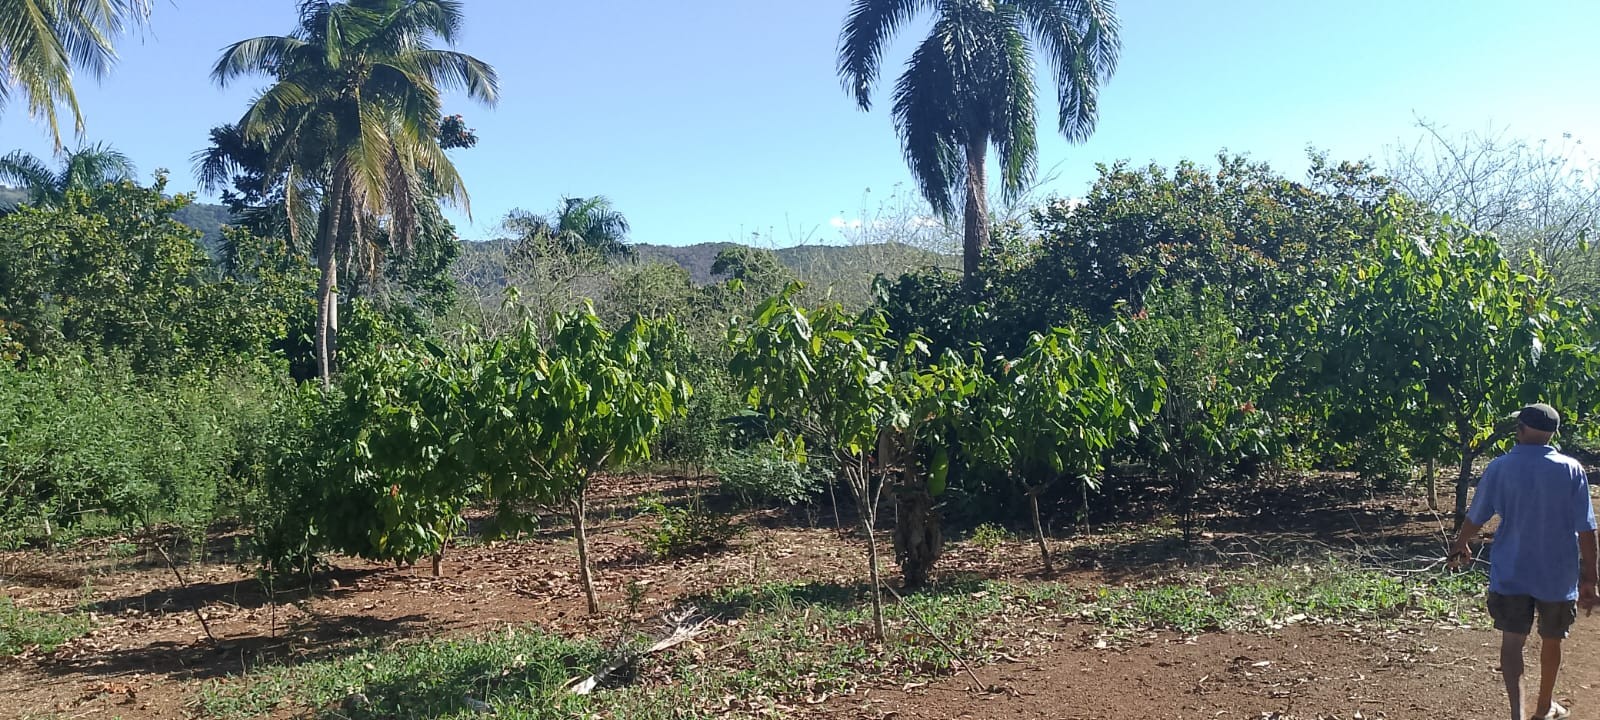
(86,168)
(354,111)
(43,41)
(579,225)
(970,84)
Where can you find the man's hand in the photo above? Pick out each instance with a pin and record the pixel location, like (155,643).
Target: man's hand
(1588,596)
(1461,555)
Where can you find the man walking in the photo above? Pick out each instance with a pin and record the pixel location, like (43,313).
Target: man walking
(1544,556)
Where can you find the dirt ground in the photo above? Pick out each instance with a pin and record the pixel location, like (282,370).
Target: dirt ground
(1303,673)
(148,653)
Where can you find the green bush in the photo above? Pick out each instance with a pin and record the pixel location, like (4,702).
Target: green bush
(763,475)
(1382,463)
(81,439)
(699,437)
(685,530)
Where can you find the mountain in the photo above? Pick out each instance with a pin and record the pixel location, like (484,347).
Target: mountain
(695,259)
(208,219)
(815,263)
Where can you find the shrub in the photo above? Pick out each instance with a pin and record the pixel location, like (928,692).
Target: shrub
(22,629)
(700,436)
(1382,463)
(763,475)
(80,440)
(685,530)
(990,536)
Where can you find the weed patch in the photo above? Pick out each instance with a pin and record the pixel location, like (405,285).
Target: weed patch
(1264,598)
(23,630)
(517,673)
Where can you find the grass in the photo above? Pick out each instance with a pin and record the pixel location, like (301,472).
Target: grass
(1267,598)
(519,673)
(788,645)
(22,630)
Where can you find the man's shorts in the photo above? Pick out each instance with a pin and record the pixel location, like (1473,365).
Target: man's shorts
(1514,614)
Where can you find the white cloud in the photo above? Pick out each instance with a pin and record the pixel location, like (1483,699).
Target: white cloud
(841,223)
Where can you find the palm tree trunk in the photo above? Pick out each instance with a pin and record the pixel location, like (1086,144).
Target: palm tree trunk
(976,237)
(327,305)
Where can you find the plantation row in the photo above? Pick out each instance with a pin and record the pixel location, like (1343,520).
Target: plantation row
(1180,327)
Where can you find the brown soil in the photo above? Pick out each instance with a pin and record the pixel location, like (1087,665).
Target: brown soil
(149,654)
(1320,673)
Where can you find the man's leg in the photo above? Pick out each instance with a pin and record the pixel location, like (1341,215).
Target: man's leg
(1549,665)
(1555,619)
(1511,666)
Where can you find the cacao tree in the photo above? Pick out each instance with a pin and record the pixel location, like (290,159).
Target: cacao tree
(401,458)
(1435,328)
(589,400)
(1210,421)
(1053,413)
(823,376)
(927,403)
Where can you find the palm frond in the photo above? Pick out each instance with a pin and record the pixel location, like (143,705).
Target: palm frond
(29,173)
(93,167)
(1081,39)
(452,70)
(265,55)
(421,18)
(1014,128)
(444,181)
(927,116)
(223,158)
(867,31)
(276,109)
(36,63)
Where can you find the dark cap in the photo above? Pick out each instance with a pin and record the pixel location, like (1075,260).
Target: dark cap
(1539,416)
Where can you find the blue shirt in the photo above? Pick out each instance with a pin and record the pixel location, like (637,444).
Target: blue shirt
(1542,498)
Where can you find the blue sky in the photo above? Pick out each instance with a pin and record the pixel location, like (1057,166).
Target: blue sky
(707,120)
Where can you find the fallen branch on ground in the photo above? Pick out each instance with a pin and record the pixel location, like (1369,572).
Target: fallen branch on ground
(685,627)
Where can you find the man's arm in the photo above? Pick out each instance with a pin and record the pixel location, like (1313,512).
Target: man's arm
(1460,553)
(1589,575)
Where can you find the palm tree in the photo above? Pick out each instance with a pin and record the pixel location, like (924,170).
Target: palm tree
(970,84)
(86,168)
(580,225)
(43,41)
(354,112)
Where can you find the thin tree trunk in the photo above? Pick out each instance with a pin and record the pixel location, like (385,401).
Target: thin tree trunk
(872,573)
(833,495)
(580,529)
(1038,532)
(1433,485)
(975,240)
(1085,508)
(1463,483)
